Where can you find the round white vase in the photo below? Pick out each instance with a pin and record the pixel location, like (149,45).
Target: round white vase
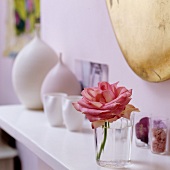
(61,79)
(31,66)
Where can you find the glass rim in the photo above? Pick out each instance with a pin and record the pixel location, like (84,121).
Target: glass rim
(55,94)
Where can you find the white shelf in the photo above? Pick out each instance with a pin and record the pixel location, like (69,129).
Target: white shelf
(62,149)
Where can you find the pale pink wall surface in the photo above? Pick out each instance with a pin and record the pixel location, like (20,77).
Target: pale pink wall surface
(82,30)
(7,94)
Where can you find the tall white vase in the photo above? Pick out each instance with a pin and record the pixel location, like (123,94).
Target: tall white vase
(61,79)
(31,66)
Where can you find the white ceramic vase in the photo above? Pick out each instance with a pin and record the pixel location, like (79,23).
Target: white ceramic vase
(61,79)
(31,66)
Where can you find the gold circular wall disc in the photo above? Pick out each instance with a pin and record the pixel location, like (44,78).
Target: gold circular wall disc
(142,29)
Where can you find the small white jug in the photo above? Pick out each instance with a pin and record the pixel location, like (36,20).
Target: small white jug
(53,103)
(73,119)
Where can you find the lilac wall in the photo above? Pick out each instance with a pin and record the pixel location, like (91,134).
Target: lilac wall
(82,30)
(7,94)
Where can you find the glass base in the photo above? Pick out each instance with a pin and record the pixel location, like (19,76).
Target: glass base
(141,144)
(114,164)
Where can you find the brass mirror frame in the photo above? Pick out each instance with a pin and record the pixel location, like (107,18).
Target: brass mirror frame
(142,29)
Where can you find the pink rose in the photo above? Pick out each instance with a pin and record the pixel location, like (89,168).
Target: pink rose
(107,102)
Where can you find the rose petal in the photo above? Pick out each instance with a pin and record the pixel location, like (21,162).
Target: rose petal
(88,104)
(108,95)
(93,118)
(128,109)
(111,106)
(97,124)
(124,100)
(97,104)
(86,95)
(76,106)
(91,111)
(85,103)
(104,86)
(113,119)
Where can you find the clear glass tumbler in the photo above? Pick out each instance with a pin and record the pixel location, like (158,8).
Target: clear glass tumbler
(141,129)
(159,135)
(113,143)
